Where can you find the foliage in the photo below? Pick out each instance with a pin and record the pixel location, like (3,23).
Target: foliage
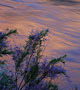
(3,42)
(32,72)
(5,80)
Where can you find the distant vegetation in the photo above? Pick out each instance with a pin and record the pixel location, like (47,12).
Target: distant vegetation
(32,71)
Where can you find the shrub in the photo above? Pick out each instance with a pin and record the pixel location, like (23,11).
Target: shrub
(32,72)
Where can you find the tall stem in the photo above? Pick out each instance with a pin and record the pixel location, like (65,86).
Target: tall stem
(25,73)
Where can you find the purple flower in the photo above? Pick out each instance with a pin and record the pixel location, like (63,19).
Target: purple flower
(55,70)
(52,71)
(3,44)
(34,86)
(17,53)
(2,34)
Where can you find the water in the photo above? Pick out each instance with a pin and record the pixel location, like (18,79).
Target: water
(62,17)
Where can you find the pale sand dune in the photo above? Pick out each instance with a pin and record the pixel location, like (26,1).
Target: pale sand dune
(63,21)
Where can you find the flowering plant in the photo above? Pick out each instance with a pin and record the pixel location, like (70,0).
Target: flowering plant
(31,72)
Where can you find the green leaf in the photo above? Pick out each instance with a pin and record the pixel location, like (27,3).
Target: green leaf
(32,75)
(54,61)
(11,32)
(34,71)
(5,81)
(52,87)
